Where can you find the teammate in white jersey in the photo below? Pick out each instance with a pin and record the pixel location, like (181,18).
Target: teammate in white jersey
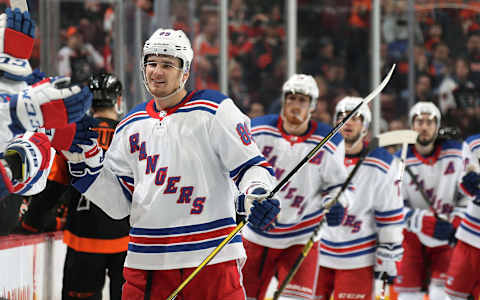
(25,157)
(370,237)
(462,276)
(172,166)
(285,140)
(435,168)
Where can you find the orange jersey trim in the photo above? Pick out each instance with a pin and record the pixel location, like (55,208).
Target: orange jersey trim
(91,245)
(59,172)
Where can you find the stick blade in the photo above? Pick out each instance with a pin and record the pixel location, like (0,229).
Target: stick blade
(397,137)
(20,4)
(379,88)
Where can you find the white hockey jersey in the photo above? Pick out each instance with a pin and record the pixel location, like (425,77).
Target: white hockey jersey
(440,175)
(469,229)
(302,196)
(375,214)
(174,172)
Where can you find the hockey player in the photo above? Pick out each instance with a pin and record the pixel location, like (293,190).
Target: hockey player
(462,279)
(93,238)
(284,140)
(172,166)
(368,243)
(437,167)
(25,108)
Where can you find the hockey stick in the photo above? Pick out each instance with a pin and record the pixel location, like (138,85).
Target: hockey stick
(423,193)
(312,152)
(20,4)
(385,139)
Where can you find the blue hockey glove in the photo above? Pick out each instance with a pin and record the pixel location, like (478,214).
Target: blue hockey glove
(471,182)
(74,134)
(21,22)
(263,212)
(17,30)
(421,220)
(335,215)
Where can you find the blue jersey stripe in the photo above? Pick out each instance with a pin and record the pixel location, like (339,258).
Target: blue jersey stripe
(388,213)
(181,248)
(359,253)
(350,243)
(470,230)
(284,235)
(182,229)
(203,108)
(130,121)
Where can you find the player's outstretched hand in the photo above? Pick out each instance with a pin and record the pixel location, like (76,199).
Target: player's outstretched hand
(471,182)
(75,134)
(46,105)
(17,31)
(88,161)
(264,210)
(335,215)
(386,257)
(421,220)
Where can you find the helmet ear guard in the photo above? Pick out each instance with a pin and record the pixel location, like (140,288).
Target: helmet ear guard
(302,84)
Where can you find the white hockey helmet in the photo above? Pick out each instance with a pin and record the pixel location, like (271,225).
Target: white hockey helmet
(302,84)
(424,108)
(168,42)
(348,104)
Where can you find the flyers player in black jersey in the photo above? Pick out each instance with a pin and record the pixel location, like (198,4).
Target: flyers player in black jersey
(96,243)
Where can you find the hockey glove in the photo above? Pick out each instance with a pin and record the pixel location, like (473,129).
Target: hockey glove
(88,161)
(74,134)
(17,30)
(386,257)
(335,214)
(471,183)
(421,220)
(28,156)
(263,211)
(45,105)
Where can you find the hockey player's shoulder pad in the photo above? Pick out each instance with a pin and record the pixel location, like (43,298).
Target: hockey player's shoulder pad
(473,139)
(137,113)
(323,130)
(473,143)
(451,145)
(266,120)
(379,158)
(209,95)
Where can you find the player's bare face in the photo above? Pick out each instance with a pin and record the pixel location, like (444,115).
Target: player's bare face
(162,74)
(352,130)
(426,126)
(296,108)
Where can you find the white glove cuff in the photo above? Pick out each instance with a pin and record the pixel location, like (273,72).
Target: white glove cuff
(28,112)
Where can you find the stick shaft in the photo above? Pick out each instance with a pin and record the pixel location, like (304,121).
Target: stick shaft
(312,152)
